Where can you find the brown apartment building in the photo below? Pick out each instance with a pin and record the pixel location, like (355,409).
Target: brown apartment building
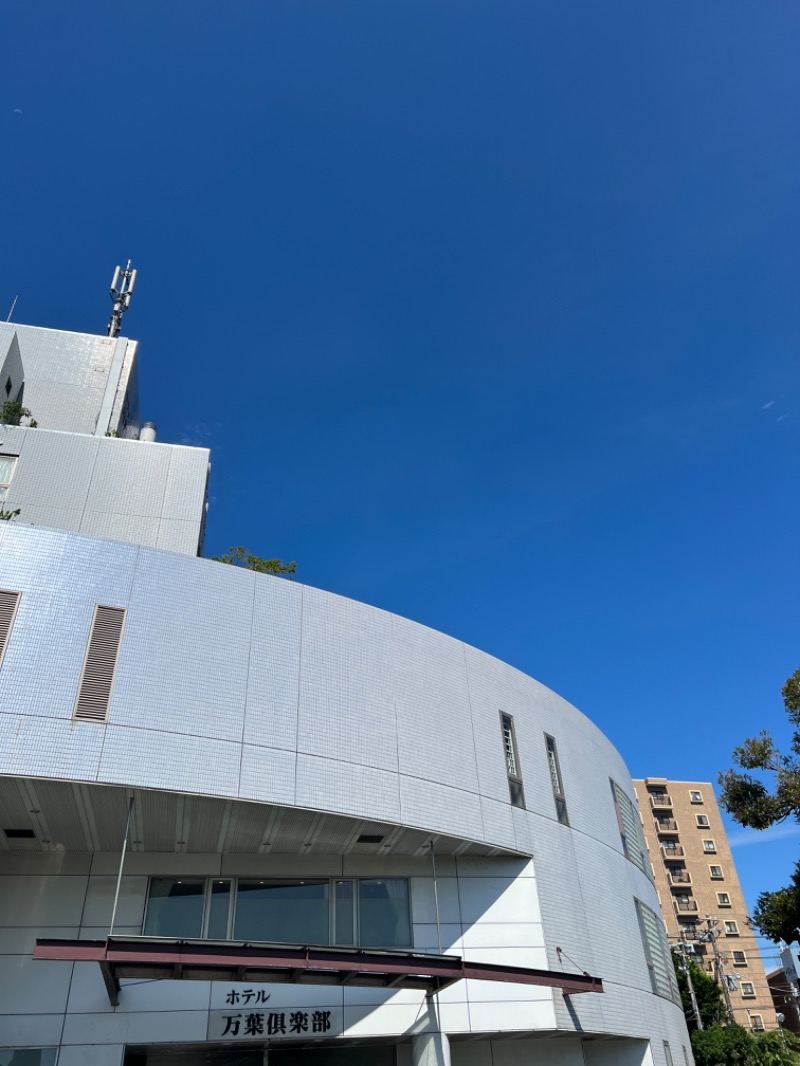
(697,881)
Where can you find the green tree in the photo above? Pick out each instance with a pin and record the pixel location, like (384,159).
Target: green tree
(752,802)
(719,1045)
(242,557)
(12,412)
(6,516)
(706,990)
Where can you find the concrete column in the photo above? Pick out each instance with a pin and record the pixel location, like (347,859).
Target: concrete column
(430,1049)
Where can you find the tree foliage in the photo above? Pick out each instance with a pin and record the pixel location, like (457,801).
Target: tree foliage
(12,412)
(242,557)
(759,803)
(707,992)
(732,1045)
(7,516)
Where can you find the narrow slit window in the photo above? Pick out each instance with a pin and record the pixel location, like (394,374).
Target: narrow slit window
(7,464)
(99,667)
(9,601)
(515,789)
(555,780)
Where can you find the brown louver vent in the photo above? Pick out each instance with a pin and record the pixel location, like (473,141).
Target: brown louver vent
(94,694)
(9,602)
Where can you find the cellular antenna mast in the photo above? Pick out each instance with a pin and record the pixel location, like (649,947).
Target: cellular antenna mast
(121,289)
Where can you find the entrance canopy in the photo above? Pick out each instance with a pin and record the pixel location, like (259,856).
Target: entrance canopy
(157,958)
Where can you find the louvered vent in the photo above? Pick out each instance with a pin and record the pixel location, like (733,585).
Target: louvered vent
(97,679)
(9,602)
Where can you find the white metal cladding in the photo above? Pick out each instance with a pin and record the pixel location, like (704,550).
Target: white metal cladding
(9,601)
(97,679)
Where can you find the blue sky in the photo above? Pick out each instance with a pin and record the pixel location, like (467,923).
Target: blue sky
(488,312)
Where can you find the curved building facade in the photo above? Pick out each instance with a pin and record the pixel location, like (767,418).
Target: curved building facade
(245,820)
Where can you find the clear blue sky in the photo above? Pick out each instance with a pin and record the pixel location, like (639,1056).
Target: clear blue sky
(488,311)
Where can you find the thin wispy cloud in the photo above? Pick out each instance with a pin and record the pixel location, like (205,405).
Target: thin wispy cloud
(766,406)
(782,418)
(763,836)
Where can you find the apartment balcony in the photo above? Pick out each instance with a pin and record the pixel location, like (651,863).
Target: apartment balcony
(666,825)
(660,801)
(679,878)
(673,851)
(685,906)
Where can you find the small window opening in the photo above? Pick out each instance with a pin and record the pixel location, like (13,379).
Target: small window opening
(555,780)
(515,789)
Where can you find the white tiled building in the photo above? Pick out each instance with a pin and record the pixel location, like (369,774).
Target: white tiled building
(343,838)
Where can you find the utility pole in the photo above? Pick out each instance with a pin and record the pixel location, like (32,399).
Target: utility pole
(682,952)
(710,937)
(121,288)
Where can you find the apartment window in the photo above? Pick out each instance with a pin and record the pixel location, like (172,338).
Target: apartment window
(657,954)
(739,958)
(716,872)
(668,1054)
(696,797)
(702,820)
(731,929)
(555,780)
(747,989)
(709,846)
(723,899)
(756,1021)
(630,828)
(515,789)
(366,912)
(7,464)
(44,1056)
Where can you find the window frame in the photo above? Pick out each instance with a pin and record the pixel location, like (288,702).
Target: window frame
(731,932)
(556,780)
(745,985)
(702,821)
(739,962)
(6,485)
(692,793)
(759,1025)
(723,902)
(332,882)
(511,759)
(709,847)
(716,877)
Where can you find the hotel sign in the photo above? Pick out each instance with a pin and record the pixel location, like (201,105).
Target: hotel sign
(247,1018)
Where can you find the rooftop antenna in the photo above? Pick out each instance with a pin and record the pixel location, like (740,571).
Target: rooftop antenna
(121,289)
(11,312)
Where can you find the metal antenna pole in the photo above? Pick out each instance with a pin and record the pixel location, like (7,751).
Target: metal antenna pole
(121,288)
(121,864)
(436,900)
(11,312)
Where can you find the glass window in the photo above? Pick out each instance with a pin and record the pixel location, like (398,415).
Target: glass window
(282,912)
(739,958)
(175,908)
(723,899)
(747,988)
(555,780)
(668,1054)
(345,912)
(515,790)
(28,1056)
(731,929)
(702,820)
(696,797)
(716,872)
(7,464)
(756,1021)
(219,909)
(383,914)
(709,845)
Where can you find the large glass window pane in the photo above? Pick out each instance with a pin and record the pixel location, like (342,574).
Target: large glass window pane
(345,907)
(174,908)
(28,1056)
(383,913)
(218,910)
(282,912)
